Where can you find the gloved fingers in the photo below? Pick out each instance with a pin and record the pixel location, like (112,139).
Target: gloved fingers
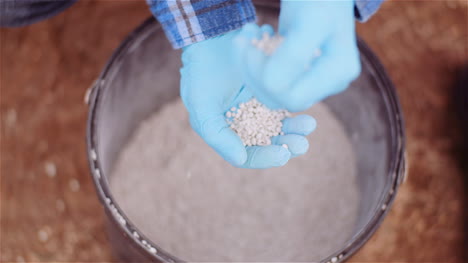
(250,31)
(344,48)
(268,29)
(217,134)
(262,157)
(296,144)
(246,94)
(267,100)
(291,59)
(299,125)
(243,40)
(288,12)
(329,74)
(246,34)
(255,62)
(343,41)
(314,14)
(250,59)
(248,53)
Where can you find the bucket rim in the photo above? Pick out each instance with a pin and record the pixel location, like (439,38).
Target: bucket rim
(138,240)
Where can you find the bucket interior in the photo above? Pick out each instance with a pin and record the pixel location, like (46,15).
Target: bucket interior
(144,78)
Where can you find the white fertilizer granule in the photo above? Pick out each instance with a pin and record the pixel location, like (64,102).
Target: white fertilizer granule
(50,169)
(190,202)
(267,43)
(255,123)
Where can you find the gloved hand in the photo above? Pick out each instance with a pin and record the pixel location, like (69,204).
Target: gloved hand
(211,83)
(317,58)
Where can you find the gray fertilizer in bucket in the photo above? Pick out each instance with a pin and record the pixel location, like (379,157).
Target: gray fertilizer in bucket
(192,203)
(169,197)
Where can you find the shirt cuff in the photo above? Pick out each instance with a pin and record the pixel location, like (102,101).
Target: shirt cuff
(186,22)
(364,9)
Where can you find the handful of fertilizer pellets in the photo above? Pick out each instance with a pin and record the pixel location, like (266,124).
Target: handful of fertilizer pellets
(255,123)
(252,121)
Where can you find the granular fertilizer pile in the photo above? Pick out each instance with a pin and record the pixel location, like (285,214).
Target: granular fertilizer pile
(194,205)
(255,123)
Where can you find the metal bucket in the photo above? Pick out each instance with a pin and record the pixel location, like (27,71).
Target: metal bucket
(370,102)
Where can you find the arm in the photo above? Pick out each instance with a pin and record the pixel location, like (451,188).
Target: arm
(211,82)
(310,27)
(186,22)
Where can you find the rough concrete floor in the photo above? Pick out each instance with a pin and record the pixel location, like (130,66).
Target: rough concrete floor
(46,68)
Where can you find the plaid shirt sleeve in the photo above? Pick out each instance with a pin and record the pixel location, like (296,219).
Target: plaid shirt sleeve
(189,21)
(366,8)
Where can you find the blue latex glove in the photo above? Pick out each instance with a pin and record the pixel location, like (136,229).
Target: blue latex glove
(211,83)
(317,58)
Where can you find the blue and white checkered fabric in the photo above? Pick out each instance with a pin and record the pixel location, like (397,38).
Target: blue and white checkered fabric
(366,8)
(186,22)
(189,21)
